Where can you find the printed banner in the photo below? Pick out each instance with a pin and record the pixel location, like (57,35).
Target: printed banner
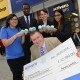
(18,4)
(67,7)
(5,8)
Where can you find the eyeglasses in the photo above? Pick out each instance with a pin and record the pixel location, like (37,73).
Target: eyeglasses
(13,19)
(57,15)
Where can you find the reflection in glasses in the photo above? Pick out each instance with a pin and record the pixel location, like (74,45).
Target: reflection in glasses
(57,15)
(14,19)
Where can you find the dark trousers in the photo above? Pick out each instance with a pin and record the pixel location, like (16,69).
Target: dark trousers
(16,66)
(26,49)
(2,50)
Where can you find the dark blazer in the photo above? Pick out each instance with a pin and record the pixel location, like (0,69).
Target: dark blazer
(23,24)
(45,34)
(40,22)
(28,43)
(65,30)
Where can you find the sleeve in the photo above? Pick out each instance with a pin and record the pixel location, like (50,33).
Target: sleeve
(3,33)
(57,41)
(67,30)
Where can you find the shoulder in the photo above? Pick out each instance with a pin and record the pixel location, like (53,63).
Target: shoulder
(33,19)
(66,21)
(51,39)
(49,22)
(20,18)
(4,28)
(3,33)
(40,22)
(33,47)
(18,28)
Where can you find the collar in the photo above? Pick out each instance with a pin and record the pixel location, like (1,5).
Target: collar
(26,18)
(43,45)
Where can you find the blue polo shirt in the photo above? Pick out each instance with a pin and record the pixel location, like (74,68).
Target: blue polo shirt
(15,49)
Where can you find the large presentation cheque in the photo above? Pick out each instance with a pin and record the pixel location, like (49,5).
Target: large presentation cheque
(60,63)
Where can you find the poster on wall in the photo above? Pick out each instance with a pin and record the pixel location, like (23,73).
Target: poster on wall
(67,7)
(60,63)
(5,8)
(17,4)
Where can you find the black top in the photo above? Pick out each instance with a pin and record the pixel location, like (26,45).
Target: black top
(64,31)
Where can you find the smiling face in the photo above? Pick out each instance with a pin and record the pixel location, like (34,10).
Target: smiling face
(44,15)
(26,10)
(13,21)
(37,38)
(57,16)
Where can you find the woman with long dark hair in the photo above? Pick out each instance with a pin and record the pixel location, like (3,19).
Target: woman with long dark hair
(62,26)
(12,39)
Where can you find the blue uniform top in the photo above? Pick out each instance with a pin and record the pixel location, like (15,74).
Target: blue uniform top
(15,49)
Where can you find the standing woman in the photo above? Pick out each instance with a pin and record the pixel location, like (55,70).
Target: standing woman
(12,39)
(62,26)
(44,21)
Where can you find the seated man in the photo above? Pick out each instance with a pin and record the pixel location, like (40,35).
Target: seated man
(41,45)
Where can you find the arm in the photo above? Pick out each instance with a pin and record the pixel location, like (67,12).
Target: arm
(23,39)
(31,55)
(7,42)
(66,31)
(56,41)
(31,58)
